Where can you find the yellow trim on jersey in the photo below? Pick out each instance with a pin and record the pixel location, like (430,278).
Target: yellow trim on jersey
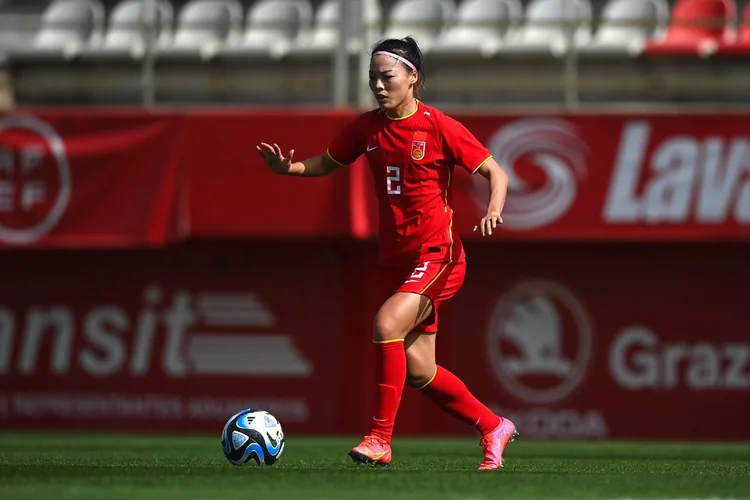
(429,381)
(446,190)
(387,341)
(478,166)
(407,116)
(450,235)
(334,160)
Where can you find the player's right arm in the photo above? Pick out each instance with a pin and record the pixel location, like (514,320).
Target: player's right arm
(344,150)
(314,166)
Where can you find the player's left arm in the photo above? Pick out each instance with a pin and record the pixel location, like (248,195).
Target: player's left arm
(498,180)
(467,151)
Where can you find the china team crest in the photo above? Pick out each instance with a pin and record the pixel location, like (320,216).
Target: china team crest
(418,149)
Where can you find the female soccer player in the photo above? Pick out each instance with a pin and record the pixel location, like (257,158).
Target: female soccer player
(411,149)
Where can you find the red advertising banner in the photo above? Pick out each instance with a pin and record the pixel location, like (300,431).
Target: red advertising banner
(83,179)
(131,178)
(234,193)
(170,340)
(629,177)
(590,177)
(588,341)
(585,341)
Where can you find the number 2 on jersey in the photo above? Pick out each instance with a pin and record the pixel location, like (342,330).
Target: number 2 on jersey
(393,179)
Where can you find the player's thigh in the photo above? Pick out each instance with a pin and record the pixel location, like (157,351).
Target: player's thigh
(399,315)
(440,283)
(420,358)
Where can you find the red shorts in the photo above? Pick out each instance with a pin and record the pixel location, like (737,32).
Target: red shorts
(438,281)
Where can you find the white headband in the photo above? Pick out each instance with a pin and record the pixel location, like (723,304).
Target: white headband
(396,56)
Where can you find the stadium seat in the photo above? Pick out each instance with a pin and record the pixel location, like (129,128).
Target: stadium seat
(14,35)
(424,20)
(547,22)
(697,27)
(208,25)
(741,45)
(126,25)
(482,26)
(325,32)
(274,25)
(628,25)
(70,26)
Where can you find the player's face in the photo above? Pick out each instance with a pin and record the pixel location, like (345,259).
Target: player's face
(390,82)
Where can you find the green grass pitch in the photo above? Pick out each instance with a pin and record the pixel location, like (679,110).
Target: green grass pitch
(93,466)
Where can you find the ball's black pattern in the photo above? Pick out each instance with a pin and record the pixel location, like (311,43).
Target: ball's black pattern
(244,440)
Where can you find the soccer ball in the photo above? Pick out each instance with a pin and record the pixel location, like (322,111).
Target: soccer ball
(252,437)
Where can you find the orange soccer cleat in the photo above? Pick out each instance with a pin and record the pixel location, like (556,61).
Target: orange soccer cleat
(494,442)
(372,450)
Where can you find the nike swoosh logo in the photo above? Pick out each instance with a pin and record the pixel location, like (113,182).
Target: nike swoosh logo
(372,148)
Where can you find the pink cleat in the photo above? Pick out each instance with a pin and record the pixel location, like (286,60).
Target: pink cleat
(372,450)
(494,442)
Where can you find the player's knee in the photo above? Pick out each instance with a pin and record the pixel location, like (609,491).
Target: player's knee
(385,327)
(418,371)
(418,380)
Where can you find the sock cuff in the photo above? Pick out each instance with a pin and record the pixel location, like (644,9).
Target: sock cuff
(387,341)
(429,381)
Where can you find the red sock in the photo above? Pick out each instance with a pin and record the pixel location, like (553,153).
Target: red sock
(391,374)
(451,395)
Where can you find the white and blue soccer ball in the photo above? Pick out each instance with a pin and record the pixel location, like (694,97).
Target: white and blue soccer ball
(252,437)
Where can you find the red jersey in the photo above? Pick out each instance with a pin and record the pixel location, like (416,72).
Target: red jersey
(412,161)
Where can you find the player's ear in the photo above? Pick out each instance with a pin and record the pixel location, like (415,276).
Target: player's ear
(413,77)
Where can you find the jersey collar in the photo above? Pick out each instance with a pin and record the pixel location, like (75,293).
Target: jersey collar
(407,116)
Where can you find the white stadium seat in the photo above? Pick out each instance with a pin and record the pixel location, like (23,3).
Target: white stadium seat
(71,25)
(482,26)
(325,34)
(274,25)
(127,24)
(209,24)
(627,25)
(425,20)
(545,27)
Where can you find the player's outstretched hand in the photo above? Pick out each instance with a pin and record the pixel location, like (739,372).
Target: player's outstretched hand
(274,158)
(488,223)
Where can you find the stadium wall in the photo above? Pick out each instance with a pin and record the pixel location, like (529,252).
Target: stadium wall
(155,276)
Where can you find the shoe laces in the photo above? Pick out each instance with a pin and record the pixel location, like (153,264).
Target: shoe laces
(376,440)
(488,439)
